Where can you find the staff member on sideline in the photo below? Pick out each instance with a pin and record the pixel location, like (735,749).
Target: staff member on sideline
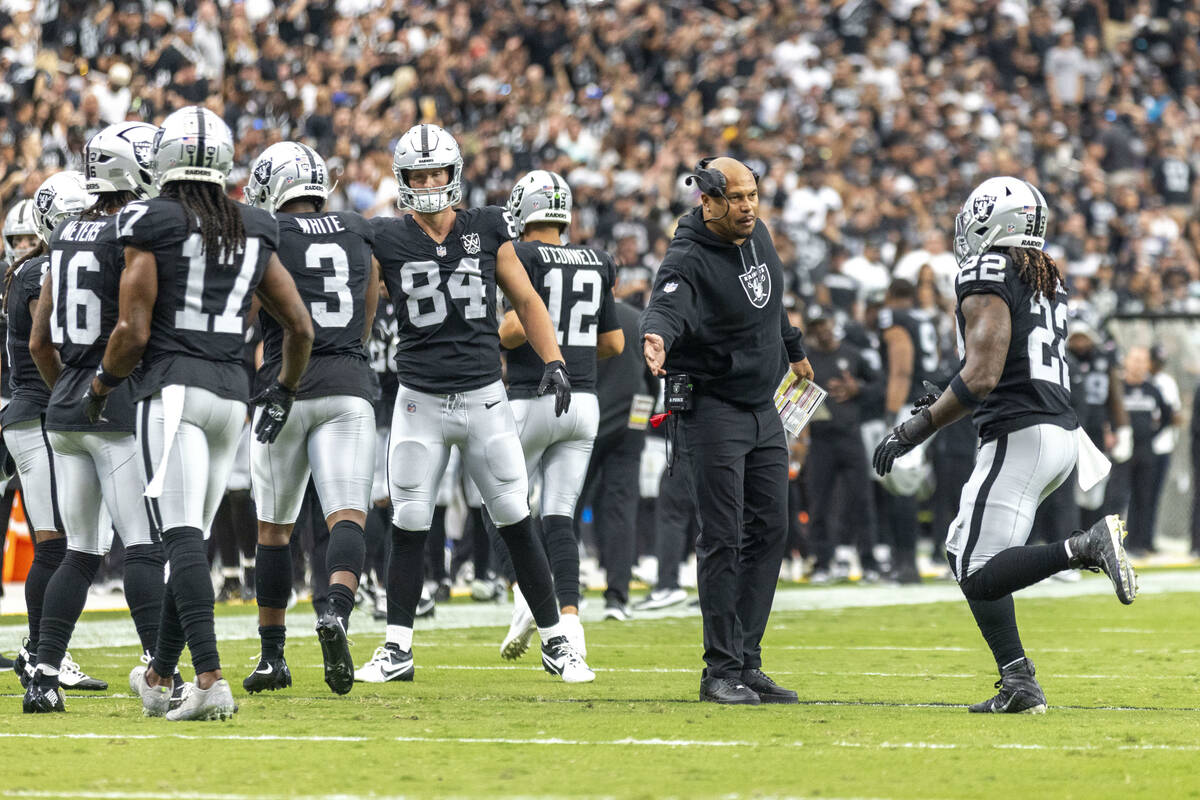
(716,315)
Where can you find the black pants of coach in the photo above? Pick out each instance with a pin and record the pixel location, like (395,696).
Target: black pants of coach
(739,466)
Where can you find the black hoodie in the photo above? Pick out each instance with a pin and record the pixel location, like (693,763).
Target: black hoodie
(719,309)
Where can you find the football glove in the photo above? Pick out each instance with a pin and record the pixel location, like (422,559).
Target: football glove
(556,377)
(932,393)
(93,405)
(276,401)
(903,438)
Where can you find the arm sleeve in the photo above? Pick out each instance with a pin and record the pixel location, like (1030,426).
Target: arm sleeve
(673,308)
(793,339)
(608,307)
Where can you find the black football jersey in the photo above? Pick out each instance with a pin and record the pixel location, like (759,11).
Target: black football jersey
(85,280)
(329,258)
(576,285)
(5,391)
(197,334)
(1035,386)
(927,357)
(29,392)
(445,298)
(1090,379)
(381,348)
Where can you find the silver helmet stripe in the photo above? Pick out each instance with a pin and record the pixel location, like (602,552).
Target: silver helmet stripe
(199,133)
(425,141)
(555,201)
(1039,206)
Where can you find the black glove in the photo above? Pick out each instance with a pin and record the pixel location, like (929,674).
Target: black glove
(556,376)
(932,393)
(93,405)
(903,438)
(8,467)
(276,401)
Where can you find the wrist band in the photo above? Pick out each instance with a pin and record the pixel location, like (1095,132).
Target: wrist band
(107,378)
(959,387)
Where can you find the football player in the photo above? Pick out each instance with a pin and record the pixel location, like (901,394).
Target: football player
(576,285)
(96,464)
(330,433)
(442,266)
(193,260)
(59,197)
(1012,322)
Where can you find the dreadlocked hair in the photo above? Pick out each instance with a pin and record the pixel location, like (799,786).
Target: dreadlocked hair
(221,229)
(1037,270)
(40,250)
(108,203)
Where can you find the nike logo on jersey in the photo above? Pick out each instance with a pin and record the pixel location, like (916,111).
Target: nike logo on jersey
(492,404)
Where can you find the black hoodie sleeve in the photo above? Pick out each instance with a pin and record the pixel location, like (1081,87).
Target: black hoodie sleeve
(792,338)
(673,307)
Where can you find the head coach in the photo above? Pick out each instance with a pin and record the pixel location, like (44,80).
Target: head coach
(716,327)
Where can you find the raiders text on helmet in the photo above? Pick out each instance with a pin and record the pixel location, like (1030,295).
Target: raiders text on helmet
(120,158)
(540,196)
(283,172)
(194,144)
(428,147)
(18,222)
(1001,212)
(62,195)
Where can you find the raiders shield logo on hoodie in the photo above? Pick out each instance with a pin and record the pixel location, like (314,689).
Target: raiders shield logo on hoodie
(756,281)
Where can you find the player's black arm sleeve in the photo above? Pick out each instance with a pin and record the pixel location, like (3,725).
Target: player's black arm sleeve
(987,336)
(41,348)
(793,338)
(372,300)
(136,296)
(673,308)
(280,299)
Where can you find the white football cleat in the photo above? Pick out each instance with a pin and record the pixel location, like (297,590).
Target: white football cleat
(389,663)
(156,700)
(520,631)
(70,676)
(575,636)
(559,657)
(214,703)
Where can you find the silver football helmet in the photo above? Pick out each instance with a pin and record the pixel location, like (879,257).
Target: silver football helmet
(62,195)
(283,172)
(119,158)
(193,144)
(1001,212)
(427,146)
(540,196)
(18,222)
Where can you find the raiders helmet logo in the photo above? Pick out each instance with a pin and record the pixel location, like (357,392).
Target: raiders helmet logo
(262,172)
(756,282)
(470,243)
(982,207)
(514,200)
(43,200)
(142,152)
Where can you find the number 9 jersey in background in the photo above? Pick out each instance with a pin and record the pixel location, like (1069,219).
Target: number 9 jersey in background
(1035,386)
(197,335)
(445,298)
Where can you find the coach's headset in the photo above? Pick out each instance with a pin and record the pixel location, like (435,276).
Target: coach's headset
(712,181)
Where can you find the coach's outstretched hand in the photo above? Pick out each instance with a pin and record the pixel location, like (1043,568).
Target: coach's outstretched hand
(276,401)
(556,377)
(903,438)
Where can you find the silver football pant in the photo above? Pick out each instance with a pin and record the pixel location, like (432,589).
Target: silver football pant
(100,485)
(425,427)
(557,449)
(330,438)
(1013,475)
(30,449)
(198,456)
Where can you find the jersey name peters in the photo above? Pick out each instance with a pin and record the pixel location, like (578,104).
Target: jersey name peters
(581,257)
(79,231)
(317,226)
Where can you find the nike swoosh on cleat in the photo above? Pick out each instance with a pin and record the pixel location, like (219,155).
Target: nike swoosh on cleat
(266,671)
(492,404)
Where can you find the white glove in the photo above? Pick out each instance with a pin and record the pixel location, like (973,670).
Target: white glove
(1123,450)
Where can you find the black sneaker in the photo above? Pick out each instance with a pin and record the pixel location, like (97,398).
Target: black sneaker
(768,690)
(21,665)
(1101,550)
(1019,692)
(267,676)
(335,650)
(425,606)
(42,696)
(727,691)
(442,593)
(230,591)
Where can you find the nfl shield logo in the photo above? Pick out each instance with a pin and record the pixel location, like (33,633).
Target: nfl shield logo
(756,282)
(411,408)
(470,243)
(440,250)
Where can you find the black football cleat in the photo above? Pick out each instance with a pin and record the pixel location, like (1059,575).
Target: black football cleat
(1019,692)
(1101,549)
(335,651)
(268,676)
(42,696)
(727,692)
(768,690)
(22,665)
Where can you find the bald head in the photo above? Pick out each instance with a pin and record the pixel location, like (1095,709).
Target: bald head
(733,216)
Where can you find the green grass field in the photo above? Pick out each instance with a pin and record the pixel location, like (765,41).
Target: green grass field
(883,690)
